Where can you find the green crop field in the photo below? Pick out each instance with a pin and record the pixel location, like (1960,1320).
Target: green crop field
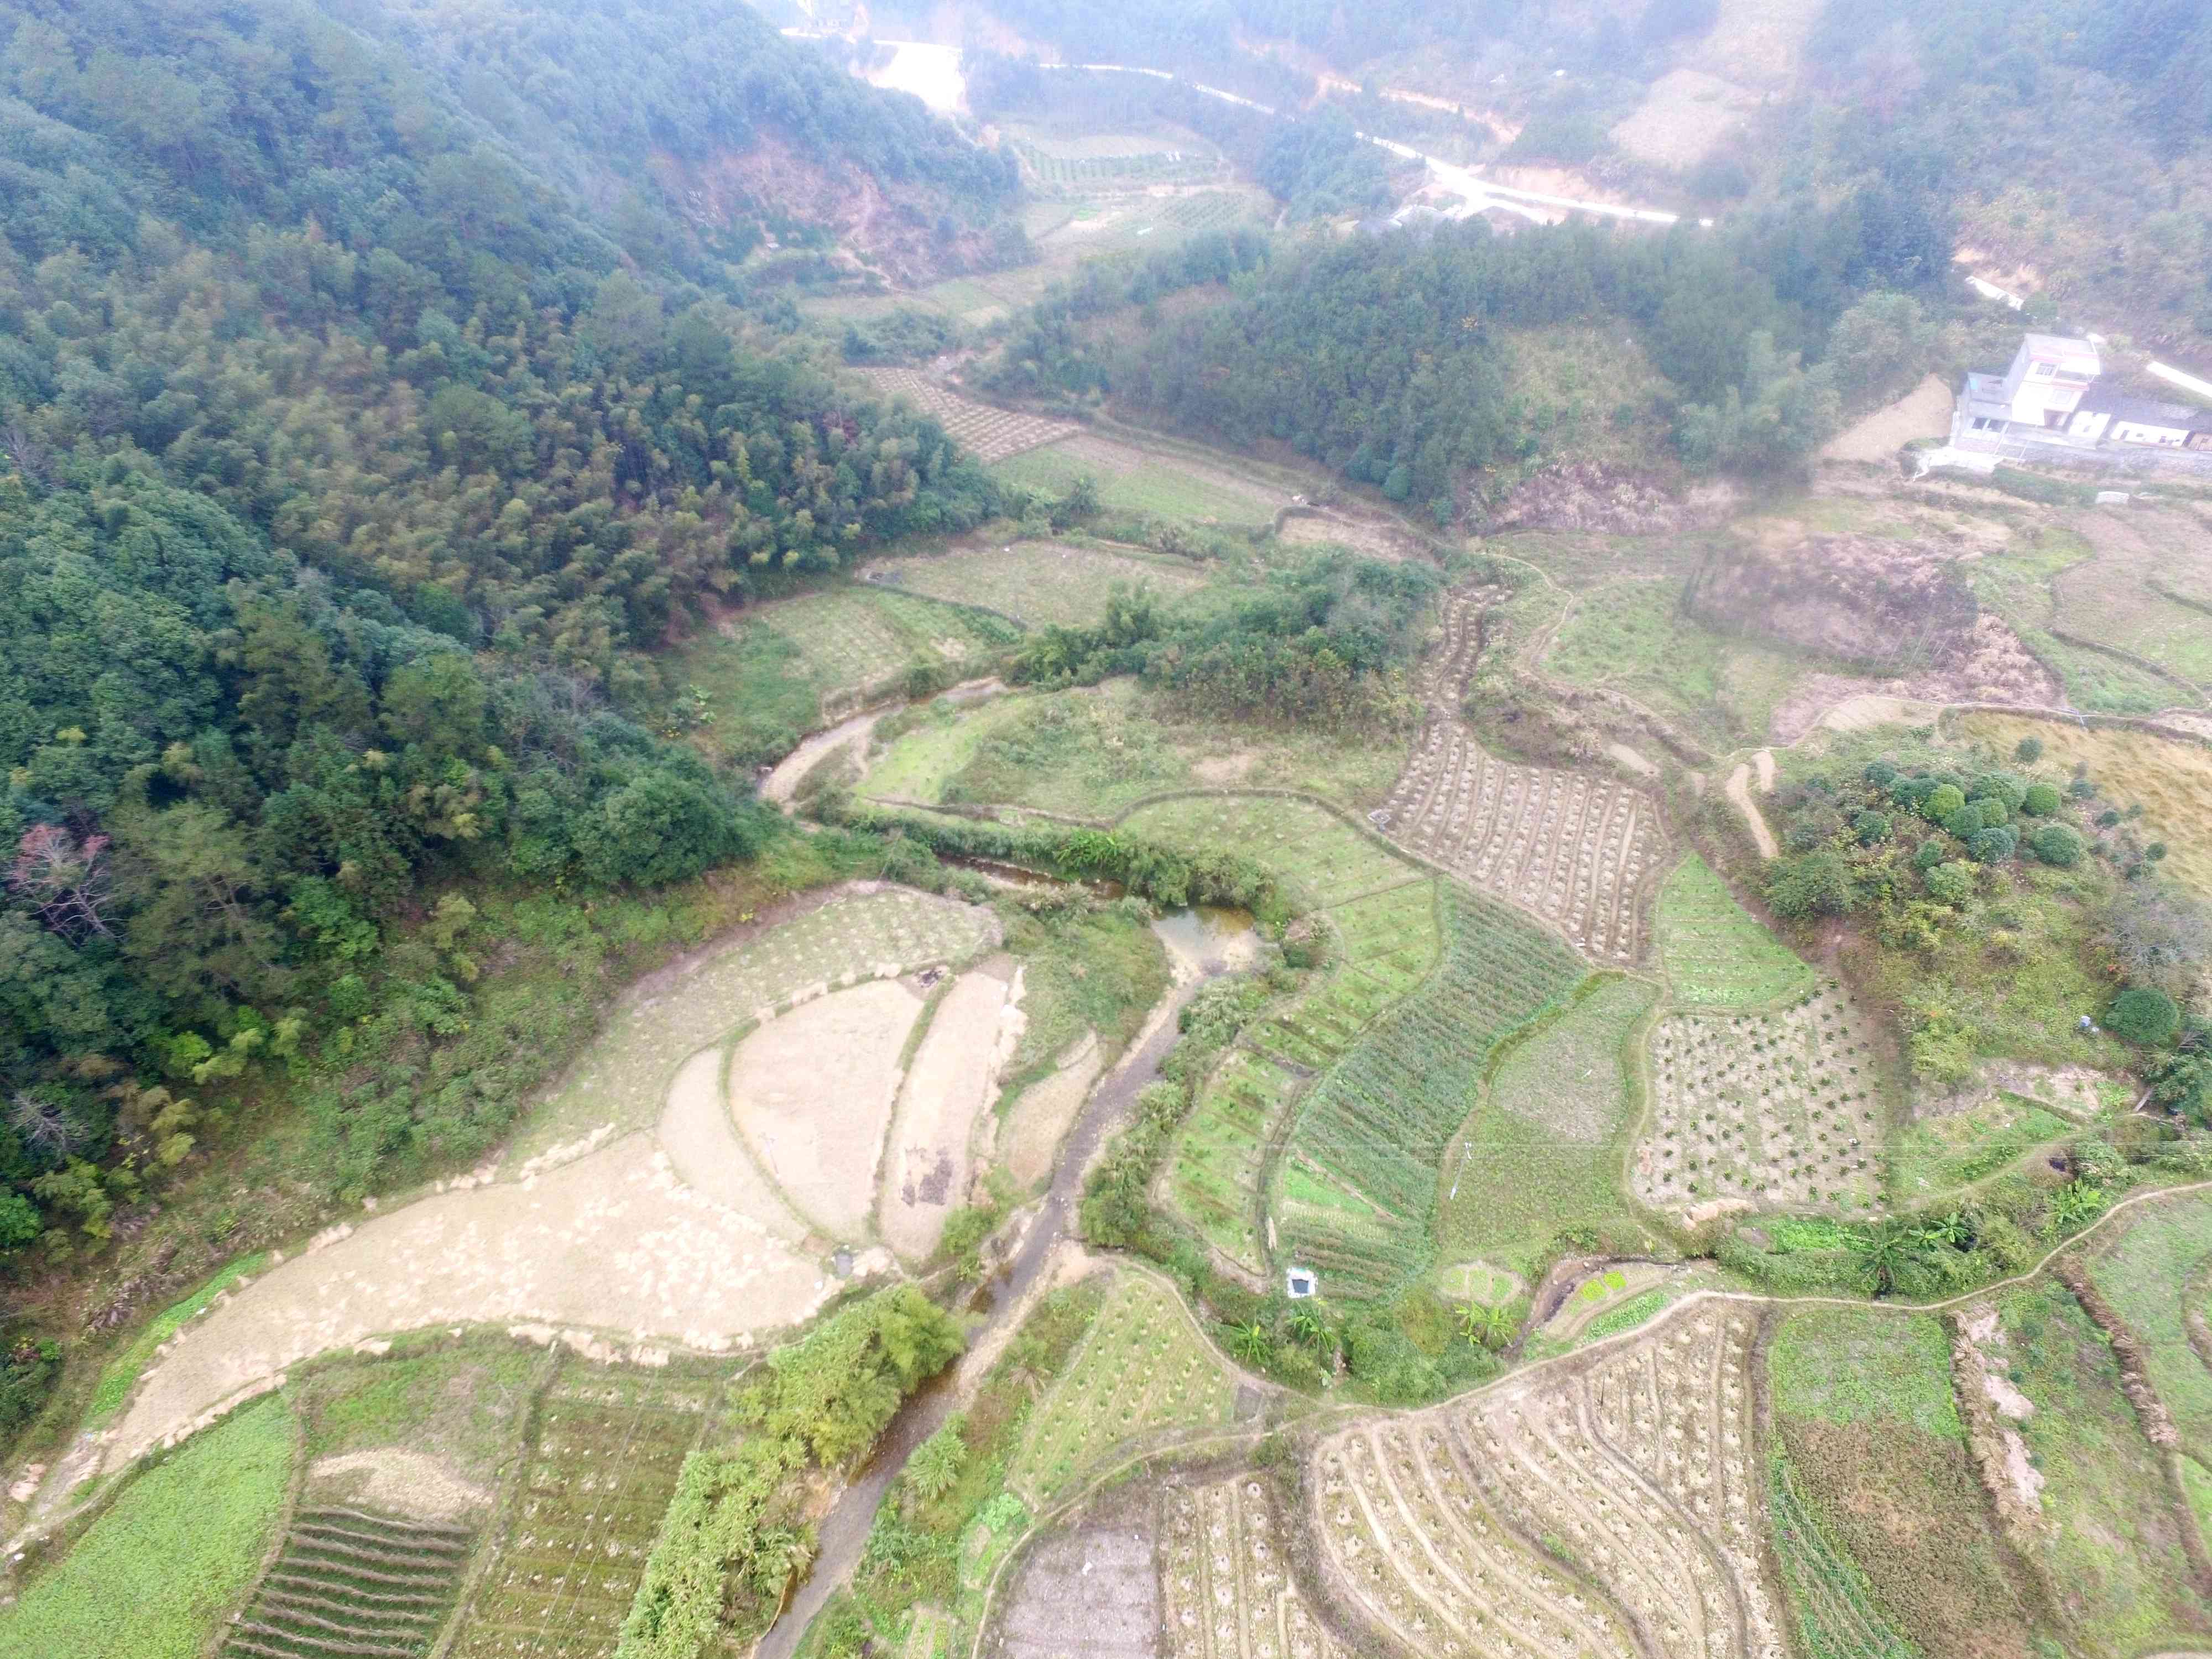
(1933,1156)
(1877,1460)
(1569,1078)
(1388,943)
(599,1465)
(2146,1274)
(1837,1616)
(171,1557)
(2113,1537)
(1035,582)
(1714,952)
(1138,482)
(1142,1370)
(1358,1198)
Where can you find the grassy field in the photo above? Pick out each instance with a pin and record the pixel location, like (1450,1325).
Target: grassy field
(2148,561)
(1148,484)
(1937,1155)
(1035,582)
(1875,1455)
(2146,1274)
(1571,1078)
(1143,1370)
(781,670)
(2112,1549)
(171,1557)
(1357,1197)
(1714,952)
(1320,858)
(2021,583)
(2171,781)
(461,1406)
(1632,636)
(1090,751)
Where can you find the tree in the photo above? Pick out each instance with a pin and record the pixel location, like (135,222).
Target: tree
(2160,935)
(1816,883)
(65,879)
(2143,1014)
(1489,1325)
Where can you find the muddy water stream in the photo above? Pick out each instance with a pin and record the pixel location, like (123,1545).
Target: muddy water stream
(1200,945)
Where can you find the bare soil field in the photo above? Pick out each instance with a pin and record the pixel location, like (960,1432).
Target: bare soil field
(1377,537)
(1039,1120)
(1923,412)
(927,1166)
(812,1094)
(1685,113)
(991,434)
(612,1241)
(1092,1592)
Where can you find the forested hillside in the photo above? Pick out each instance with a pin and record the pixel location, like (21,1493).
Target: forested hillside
(367,417)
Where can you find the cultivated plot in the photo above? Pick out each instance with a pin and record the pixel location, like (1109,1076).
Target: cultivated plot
(1224,1580)
(1034,582)
(1153,483)
(854,642)
(353,1581)
(600,1465)
(1751,1111)
(990,433)
(1142,1370)
(1318,857)
(2148,592)
(1579,851)
(954,1077)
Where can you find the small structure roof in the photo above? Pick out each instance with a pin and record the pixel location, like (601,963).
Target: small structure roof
(2105,398)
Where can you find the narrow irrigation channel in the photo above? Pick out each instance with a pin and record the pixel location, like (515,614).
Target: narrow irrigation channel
(843,1532)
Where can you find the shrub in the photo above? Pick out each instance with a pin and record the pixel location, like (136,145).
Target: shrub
(1999,786)
(1928,855)
(1942,801)
(1967,822)
(1912,793)
(1992,846)
(2040,800)
(1871,827)
(1816,884)
(1952,882)
(1994,813)
(2029,752)
(1880,774)
(2055,844)
(2144,1014)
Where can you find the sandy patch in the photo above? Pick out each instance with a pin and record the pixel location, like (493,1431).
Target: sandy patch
(1232,768)
(927,1169)
(812,1093)
(1041,1119)
(1763,760)
(1923,412)
(1628,757)
(1685,113)
(1093,1592)
(1739,795)
(399,1482)
(614,1241)
(705,1151)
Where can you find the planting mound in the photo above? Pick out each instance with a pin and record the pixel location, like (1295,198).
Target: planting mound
(1577,851)
(811,1093)
(1143,1370)
(1225,1579)
(612,1242)
(352,1582)
(1641,1467)
(991,434)
(955,1073)
(1764,1111)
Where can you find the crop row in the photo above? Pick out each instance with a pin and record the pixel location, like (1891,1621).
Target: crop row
(1215,1176)
(353,1583)
(1772,1110)
(1373,1132)
(1142,1370)
(991,434)
(1402,1522)
(1225,1581)
(1833,1602)
(599,1468)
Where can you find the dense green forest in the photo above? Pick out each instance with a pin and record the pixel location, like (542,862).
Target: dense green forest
(358,444)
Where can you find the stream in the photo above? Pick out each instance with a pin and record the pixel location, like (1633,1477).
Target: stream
(1202,945)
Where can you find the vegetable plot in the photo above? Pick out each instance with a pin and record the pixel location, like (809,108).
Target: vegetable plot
(1143,1370)
(1764,1111)
(1225,1584)
(353,1583)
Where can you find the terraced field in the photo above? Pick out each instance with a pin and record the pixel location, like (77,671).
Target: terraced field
(1638,1475)
(990,433)
(1143,1370)
(353,1583)
(1580,852)
(602,1457)
(856,641)
(1225,1584)
(1387,943)
(1764,1110)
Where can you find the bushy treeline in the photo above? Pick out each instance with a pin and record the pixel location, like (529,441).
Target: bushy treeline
(1325,645)
(734,1535)
(354,456)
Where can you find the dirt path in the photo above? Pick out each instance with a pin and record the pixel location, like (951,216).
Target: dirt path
(780,786)
(1763,760)
(1739,795)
